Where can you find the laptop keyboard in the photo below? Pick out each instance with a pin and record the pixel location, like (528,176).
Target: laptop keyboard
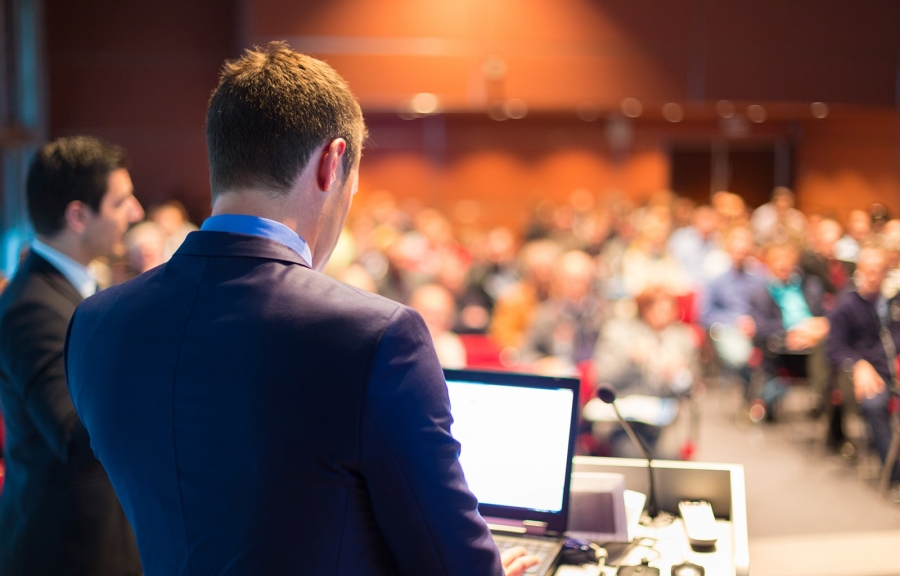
(540,548)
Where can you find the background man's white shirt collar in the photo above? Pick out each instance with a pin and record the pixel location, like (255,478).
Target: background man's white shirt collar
(77,275)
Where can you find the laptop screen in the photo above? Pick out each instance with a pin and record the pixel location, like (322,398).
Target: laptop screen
(517,437)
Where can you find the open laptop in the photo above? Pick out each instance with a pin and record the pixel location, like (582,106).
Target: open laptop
(517,433)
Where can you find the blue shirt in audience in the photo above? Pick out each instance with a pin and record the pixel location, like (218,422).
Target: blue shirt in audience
(728,296)
(691,250)
(789,297)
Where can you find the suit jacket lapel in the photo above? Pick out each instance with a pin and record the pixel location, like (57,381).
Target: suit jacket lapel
(35,264)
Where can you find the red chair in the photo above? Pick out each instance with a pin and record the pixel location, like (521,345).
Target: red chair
(588,376)
(482,351)
(687,307)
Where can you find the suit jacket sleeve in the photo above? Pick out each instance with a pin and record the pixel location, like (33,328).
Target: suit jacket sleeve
(410,462)
(34,335)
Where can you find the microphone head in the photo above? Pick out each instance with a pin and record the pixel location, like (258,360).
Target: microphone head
(607,394)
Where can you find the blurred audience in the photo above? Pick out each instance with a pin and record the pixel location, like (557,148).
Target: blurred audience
(173,218)
(891,244)
(470,299)
(514,310)
(145,247)
(820,261)
(607,289)
(730,207)
(859,226)
(778,220)
(436,305)
(497,274)
(646,262)
(696,247)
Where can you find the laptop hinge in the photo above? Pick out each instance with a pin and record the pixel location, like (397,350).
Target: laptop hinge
(523,527)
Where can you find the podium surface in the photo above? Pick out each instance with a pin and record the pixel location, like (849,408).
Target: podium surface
(721,484)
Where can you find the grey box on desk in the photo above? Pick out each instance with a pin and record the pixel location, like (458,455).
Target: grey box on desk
(597,507)
(721,484)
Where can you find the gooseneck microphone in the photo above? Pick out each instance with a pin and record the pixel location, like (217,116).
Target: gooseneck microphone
(608,396)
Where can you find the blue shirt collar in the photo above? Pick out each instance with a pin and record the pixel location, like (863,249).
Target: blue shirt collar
(262,227)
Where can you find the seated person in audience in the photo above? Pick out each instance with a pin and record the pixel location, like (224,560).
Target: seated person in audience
(496,275)
(778,220)
(730,207)
(653,354)
(790,322)
(404,254)
(436,305)
(566,326)
(725,307)
(469,298)
(683,212)
(820,261)
(859,228)
(145,247)
(646,261)
(864,339)
(891,228)
(696,247)
(513,311)
(172,217)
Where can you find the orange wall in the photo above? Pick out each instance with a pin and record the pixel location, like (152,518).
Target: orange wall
(850,162)
(506,185)
(506,167)
(560,53)
(139,73)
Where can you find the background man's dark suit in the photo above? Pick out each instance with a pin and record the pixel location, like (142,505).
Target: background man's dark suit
(58,512)
(257,417)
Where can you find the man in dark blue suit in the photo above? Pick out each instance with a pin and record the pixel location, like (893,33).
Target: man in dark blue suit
(58,511)
(255,416)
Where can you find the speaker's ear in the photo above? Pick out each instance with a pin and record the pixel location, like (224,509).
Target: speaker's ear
(76,216)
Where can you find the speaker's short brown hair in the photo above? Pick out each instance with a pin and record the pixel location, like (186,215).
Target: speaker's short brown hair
(271,110)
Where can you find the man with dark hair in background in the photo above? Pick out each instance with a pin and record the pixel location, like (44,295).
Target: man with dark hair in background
(255,416)
(58,511)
